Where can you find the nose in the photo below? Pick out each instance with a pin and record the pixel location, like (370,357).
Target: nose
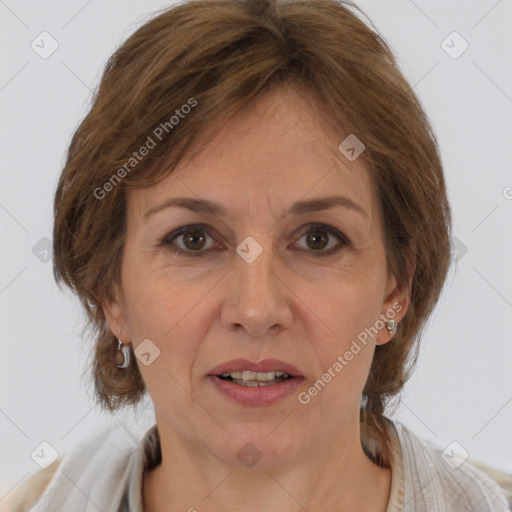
(258,300)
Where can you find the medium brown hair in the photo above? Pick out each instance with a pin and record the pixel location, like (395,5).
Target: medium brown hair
(221,54)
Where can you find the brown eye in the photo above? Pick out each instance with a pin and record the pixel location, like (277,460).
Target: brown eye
(193,240)
(323,240)
(317,239)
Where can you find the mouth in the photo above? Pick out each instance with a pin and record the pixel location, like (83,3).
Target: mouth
(250,373)
(252,383)
(255,379)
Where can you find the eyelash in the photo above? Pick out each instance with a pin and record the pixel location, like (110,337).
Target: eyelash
(168,239)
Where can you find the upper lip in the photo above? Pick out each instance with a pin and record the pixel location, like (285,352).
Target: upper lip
(267,365)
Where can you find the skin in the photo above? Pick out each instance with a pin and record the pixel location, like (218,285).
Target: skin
(289,304)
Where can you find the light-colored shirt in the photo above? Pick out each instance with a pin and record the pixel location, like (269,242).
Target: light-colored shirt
(105,473)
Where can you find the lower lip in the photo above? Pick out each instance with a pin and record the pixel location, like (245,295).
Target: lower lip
(262,395)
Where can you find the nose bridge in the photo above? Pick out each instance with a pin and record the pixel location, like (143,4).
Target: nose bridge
(257,301)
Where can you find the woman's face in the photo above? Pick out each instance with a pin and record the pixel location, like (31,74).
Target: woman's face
(276,272)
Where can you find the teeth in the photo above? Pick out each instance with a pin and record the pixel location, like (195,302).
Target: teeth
(249,376)
(256,383)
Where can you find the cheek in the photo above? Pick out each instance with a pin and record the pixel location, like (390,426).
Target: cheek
(343,346)
(344,309)
(154,303)
(167,313)
(145,310)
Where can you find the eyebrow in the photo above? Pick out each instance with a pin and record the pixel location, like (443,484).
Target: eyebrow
(207,207)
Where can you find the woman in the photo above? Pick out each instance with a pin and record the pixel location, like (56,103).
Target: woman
(254,216)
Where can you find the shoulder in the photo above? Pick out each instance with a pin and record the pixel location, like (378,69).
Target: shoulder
(448,479)
(30,490)
(502,478)
(101,456)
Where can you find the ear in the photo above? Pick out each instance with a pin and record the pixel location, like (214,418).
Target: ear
(114,310)
(397,298)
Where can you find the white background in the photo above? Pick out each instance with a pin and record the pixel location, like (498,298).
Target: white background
(462,387)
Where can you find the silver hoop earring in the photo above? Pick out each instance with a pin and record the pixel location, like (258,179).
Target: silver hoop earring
(391,327)
(122,355)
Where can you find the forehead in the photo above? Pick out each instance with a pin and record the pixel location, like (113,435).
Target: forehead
(281,149)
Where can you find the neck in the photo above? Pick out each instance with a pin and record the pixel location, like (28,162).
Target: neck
(337,478)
